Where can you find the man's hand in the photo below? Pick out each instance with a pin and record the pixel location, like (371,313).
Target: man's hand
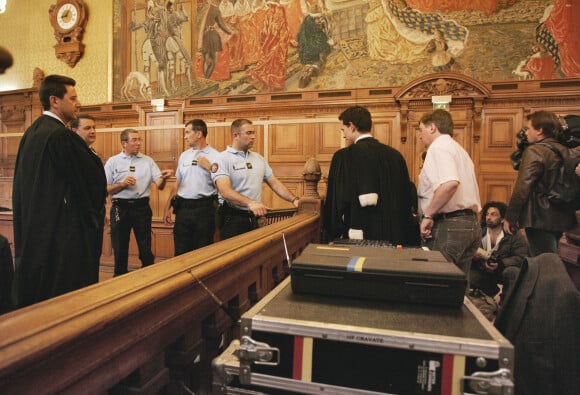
(167,217)
(202,161)
(509,228)
(491,267)
(129,180)
(426,226)
(258,209)
(166,173)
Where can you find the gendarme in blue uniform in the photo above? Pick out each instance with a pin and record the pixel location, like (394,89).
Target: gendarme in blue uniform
(130,208)
(196,201)
(195,181)
(140,166)
(246,171)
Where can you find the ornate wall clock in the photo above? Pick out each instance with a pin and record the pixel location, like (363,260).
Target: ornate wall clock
(68,19)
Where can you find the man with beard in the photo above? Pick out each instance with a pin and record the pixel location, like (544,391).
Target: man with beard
(500,256)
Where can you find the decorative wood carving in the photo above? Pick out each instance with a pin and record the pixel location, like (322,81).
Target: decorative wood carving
(312,175)
(68,19)
(456,85)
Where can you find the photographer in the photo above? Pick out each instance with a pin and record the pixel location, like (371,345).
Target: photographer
(500,255)
(538,172)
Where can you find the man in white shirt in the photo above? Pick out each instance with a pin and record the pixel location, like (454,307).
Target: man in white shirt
(448,193)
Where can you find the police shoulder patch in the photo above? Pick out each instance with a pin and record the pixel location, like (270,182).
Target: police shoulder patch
(214,167)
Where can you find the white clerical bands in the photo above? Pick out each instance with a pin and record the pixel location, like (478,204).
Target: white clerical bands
(369,199)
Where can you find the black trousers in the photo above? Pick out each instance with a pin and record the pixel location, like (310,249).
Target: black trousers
(234,222)
(124,217)
(193,228)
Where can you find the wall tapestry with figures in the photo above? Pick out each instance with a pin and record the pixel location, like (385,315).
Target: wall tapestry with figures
(192,48)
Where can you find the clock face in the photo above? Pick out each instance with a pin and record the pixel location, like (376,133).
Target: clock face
(67,16)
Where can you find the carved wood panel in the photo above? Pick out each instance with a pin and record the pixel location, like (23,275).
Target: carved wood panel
(287,142)
(162,144)
(328,140)
(496,186)
(499,134)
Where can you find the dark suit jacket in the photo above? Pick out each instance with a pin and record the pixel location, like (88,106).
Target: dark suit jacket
(541,317)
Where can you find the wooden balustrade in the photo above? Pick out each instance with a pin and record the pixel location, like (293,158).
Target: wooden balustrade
(153,329)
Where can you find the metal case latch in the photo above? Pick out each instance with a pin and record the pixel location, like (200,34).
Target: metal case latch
(489,383)
(251,351)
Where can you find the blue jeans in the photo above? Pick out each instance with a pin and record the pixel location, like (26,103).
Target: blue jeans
(457,239)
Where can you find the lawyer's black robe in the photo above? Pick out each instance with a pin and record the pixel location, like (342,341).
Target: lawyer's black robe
(364,168)
(58,194)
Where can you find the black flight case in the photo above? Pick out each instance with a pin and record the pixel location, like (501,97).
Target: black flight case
(315,344)
(385,273)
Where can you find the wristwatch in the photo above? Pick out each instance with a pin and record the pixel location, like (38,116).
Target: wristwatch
(426,217)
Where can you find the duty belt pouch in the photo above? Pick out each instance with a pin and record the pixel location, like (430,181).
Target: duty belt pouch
(175,203)
(222,214)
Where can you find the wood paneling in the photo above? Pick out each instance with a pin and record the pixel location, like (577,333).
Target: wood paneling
(496,186)
(288,143)
(292,128)
(162,144)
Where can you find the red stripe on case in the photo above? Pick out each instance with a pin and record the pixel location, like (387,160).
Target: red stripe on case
(447,375)
(298,354)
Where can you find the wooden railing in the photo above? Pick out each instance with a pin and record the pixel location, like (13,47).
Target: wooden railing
(151,330)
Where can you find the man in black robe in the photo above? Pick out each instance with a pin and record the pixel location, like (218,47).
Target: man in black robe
(58,193)
(370,194)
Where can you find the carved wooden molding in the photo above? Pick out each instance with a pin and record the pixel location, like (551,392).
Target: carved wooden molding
(463,90)
(456,85)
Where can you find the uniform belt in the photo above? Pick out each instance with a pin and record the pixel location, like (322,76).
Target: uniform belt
(456,213)
(196,203)
(131,202)
(226,209)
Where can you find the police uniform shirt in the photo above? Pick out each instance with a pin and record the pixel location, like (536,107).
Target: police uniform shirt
(195,181)
(140,166)
(246,171)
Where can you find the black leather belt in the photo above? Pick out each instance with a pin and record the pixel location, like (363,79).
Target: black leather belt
(196,203)
(452,214)
(131,202)
(226,209)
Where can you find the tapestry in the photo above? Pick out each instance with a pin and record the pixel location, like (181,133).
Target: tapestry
(193,48)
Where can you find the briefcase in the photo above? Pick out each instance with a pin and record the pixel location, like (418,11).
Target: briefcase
(409,275)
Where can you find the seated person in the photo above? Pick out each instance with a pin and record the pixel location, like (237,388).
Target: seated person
(500,256)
